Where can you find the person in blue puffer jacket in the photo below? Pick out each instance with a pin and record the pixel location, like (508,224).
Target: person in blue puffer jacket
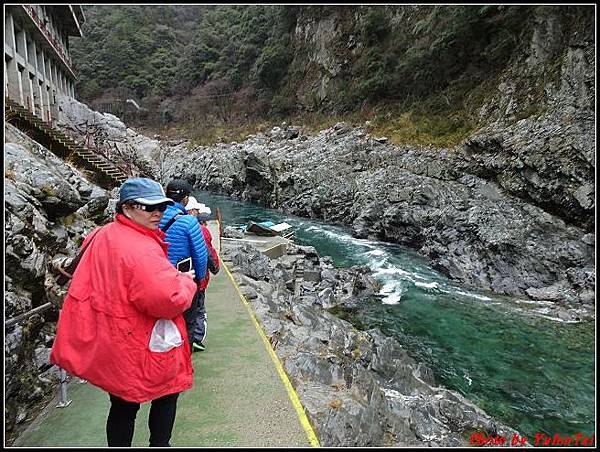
(185,239)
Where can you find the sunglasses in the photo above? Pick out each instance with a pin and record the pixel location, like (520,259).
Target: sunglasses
(152,208)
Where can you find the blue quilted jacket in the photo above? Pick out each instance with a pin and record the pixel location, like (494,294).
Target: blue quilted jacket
(185,239)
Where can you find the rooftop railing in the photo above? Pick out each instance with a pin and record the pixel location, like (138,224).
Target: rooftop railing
(57,46)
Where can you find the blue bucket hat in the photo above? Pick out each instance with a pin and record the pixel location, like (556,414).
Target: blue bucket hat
(144,191)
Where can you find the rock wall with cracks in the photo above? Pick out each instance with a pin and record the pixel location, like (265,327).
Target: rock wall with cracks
(470,227)
(358,388)
(511,209)
(49,208)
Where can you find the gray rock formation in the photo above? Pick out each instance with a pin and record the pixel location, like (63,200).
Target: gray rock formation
(49,208)
(108,135)
(470,227)
(511,209)
(359,388)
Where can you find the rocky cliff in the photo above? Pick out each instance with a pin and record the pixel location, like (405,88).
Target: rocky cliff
(468,226)
(548,157)
(535,110)
(359,388)
(49,208)
(511,209)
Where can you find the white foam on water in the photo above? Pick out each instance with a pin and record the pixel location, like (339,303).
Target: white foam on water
(472,295)
(342,237)
(375,253)
(395,271)
(469,381)
(390,286)
(556,319)
(534,302)
(378,264)
(393,298)
(393,289)
(432,285)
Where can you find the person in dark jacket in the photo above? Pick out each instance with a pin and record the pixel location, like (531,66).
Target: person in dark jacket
(185,240)
(198,325)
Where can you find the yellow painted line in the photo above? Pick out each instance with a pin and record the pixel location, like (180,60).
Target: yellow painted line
(312,437)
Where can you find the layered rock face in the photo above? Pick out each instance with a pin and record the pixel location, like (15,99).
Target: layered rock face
(537,116)
(469,227)
(510,210)
(359,388)
(106,134)
(49,209)
(548,158)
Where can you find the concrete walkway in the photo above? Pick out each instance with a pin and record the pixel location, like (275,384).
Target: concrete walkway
(240,398)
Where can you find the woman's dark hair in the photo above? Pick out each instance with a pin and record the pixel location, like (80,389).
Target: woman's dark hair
(119,206)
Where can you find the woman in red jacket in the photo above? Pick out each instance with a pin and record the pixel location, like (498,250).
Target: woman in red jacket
(123,292)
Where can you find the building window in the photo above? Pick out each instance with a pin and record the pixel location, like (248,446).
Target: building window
(30,55)
(17,47)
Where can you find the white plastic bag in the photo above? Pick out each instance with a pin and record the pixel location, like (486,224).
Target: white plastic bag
(165,336)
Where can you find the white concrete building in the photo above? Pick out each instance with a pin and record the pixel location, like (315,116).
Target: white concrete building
(37,62)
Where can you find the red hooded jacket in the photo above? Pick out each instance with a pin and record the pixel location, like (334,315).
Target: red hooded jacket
(203,284)
(122,285)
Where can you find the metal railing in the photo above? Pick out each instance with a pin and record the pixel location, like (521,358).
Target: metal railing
(62,387)
(47,129)
(12,321)
(57,46)
(63,400)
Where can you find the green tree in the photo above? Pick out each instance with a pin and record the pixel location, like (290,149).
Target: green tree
(273,62)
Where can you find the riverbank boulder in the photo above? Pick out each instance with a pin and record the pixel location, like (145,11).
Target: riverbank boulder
(359,388)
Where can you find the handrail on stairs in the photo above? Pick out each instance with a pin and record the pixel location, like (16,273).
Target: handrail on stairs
(69,144)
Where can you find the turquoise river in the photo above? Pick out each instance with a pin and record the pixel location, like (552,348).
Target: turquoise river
(535,373)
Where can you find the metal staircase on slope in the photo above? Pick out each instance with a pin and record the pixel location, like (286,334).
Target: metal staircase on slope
(103,170)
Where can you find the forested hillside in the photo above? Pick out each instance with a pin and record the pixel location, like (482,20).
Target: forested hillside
(425,71)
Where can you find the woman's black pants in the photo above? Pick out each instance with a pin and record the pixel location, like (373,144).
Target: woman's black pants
(121,421)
